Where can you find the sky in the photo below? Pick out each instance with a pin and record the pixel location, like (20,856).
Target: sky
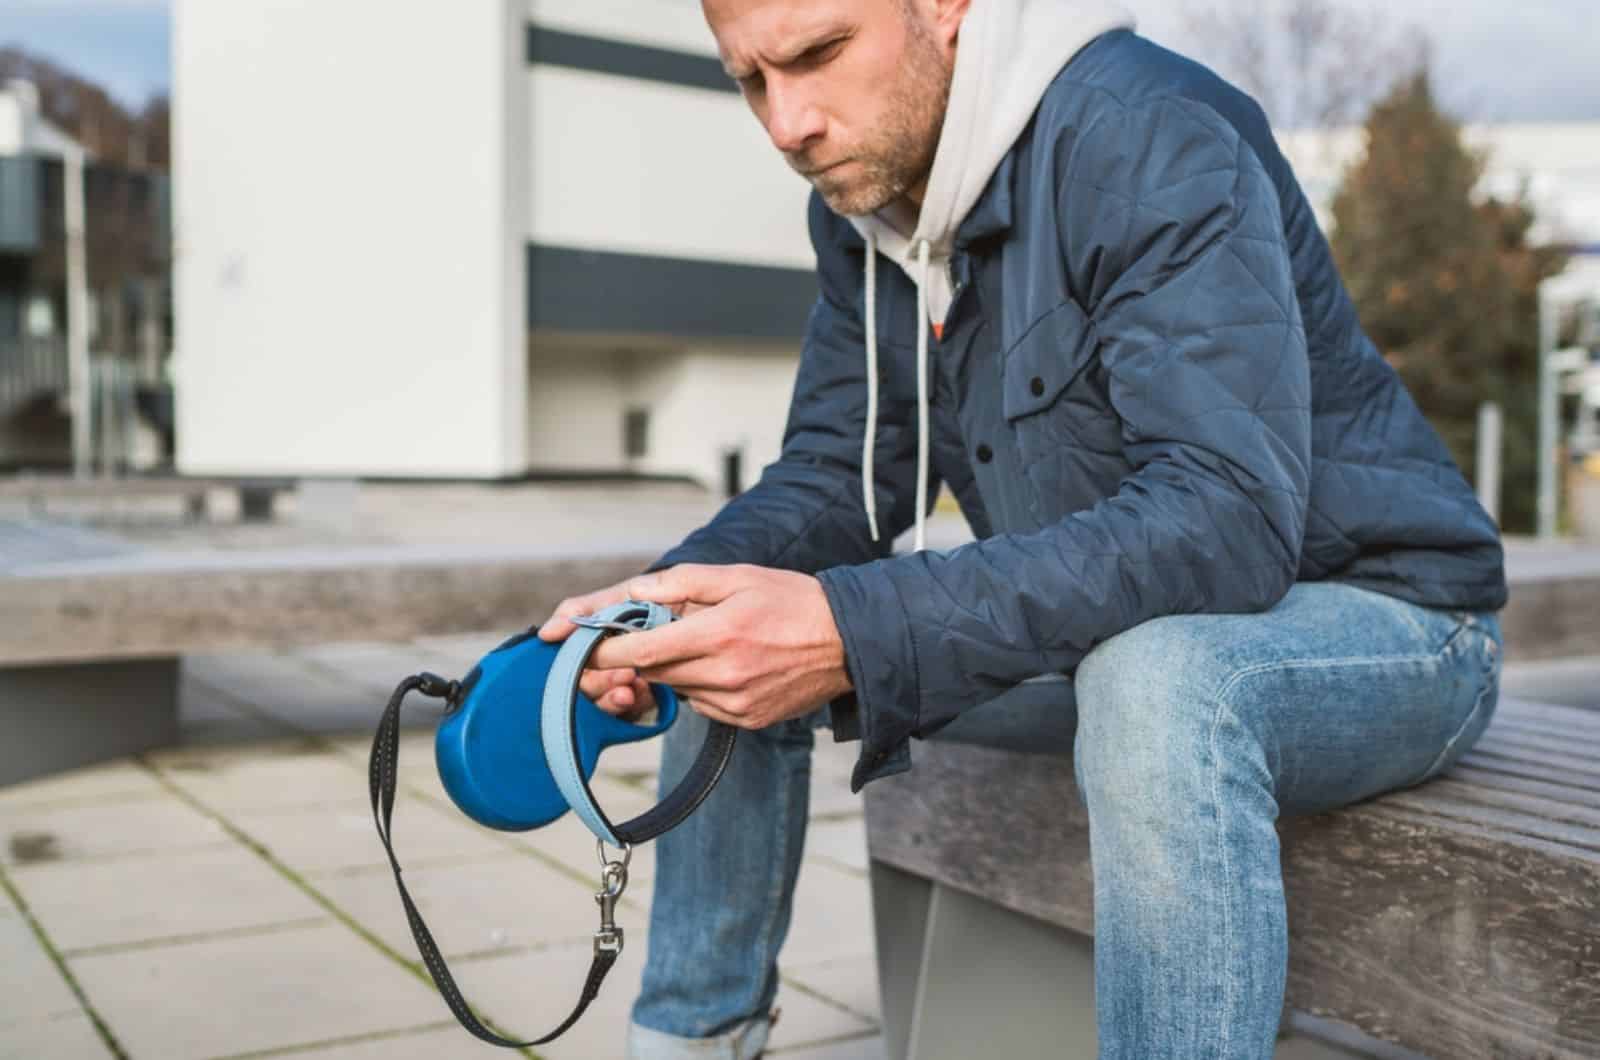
(1506,60)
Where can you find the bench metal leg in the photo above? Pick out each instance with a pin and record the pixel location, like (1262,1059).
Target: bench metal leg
(962,977)
(57,717)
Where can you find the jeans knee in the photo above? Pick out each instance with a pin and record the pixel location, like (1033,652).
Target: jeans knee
(1147,713)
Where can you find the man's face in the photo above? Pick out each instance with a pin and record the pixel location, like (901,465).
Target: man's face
(852,92)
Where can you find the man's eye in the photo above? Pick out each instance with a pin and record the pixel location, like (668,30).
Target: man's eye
(822,52)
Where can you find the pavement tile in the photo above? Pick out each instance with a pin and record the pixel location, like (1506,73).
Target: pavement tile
(220,997)
(852,983)
(295,772)
(31,986)
(527,993)
(110,781)
(867,1048)
(106,903)
(373,667)
(68,1036)
(472,907)
(569,841)
(436,1044)
(289,690)
(831,796)
(832,916)
(37,834)
(844,842)
(340,837)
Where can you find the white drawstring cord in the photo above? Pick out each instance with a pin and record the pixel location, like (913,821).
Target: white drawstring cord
(869,495)
(922,398)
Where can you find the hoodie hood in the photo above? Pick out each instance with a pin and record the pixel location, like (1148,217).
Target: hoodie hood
(1007,54)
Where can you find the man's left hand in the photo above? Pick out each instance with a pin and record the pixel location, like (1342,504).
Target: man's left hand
(755,646)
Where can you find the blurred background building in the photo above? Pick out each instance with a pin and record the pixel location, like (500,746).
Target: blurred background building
(443,240)
(536,237)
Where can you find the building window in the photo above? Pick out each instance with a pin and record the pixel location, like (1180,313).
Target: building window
(635,433)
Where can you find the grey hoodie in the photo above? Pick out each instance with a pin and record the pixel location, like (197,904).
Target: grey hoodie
(1007,54)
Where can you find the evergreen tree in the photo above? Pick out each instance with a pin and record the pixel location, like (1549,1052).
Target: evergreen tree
(1446,284)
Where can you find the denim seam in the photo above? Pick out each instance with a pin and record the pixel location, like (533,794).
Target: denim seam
(775,891)
(1490,683)
(1227,874)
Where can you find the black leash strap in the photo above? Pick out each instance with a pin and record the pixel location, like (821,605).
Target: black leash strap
(383,769)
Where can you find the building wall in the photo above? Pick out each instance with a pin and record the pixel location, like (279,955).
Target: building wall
(350,190)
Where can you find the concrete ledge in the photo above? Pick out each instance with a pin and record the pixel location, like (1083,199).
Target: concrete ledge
(160,604)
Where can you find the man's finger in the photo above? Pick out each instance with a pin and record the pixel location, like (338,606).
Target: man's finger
(558,626)
(688,638)
(689,583)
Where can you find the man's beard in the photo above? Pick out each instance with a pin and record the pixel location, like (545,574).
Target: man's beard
(900,152)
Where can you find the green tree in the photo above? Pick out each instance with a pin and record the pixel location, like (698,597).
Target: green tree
(1446,282)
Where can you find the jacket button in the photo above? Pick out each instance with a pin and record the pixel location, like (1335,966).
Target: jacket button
(985,454)
(1037,386)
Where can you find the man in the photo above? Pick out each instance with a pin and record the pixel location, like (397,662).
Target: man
(1067,274)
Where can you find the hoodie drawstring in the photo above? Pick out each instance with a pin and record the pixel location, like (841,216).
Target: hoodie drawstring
(869,497)
(869,494)
(922,397)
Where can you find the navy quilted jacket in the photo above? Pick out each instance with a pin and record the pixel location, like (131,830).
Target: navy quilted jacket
(1152,396)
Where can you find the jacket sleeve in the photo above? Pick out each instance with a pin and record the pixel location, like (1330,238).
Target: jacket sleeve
(1177,250)
(805,513)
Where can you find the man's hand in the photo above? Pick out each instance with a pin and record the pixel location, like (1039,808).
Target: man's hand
(755,646)
(620,691)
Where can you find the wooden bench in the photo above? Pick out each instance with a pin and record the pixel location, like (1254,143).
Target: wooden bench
(1458,920)
(91,629)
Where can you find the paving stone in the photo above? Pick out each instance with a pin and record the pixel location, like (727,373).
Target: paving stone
(209,718)
(451,1041)
(372,666)
(297,772)
(472,907)
(528,992)
(851,983)
(342,836)
(843,842)
(832,917)
(570,842)
(291,691)
(68,1036)
(37,834)
(831,796)
(31,986)
(110,781)
(867,1048)
(105,903)
(220,997)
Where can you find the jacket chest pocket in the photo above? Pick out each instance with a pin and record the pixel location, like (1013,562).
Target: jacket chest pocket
(1050,394)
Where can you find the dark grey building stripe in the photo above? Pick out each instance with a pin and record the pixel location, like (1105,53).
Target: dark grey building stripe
(599,291)
(602,56)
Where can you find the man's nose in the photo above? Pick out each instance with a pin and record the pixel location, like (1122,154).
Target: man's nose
(793,120)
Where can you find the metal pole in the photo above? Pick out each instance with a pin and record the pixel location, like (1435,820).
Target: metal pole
(1549,410)
(1489,432)
(78,374)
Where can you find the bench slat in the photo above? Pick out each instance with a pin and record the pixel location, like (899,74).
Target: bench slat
(1533,768)
(1490,778)
(1498,819)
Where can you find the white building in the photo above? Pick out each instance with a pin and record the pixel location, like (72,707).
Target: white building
(476,239)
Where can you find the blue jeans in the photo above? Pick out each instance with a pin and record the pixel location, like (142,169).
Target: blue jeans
(1193,735)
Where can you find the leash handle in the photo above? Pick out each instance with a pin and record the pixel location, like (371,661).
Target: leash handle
(383,771)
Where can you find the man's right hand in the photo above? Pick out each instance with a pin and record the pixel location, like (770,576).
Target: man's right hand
(620,692)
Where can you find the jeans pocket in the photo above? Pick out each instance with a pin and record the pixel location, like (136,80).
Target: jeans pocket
(1477,648)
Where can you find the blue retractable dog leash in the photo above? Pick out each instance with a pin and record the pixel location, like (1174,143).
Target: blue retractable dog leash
(515,750)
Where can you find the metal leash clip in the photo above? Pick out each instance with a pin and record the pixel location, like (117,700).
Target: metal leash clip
(613,880)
